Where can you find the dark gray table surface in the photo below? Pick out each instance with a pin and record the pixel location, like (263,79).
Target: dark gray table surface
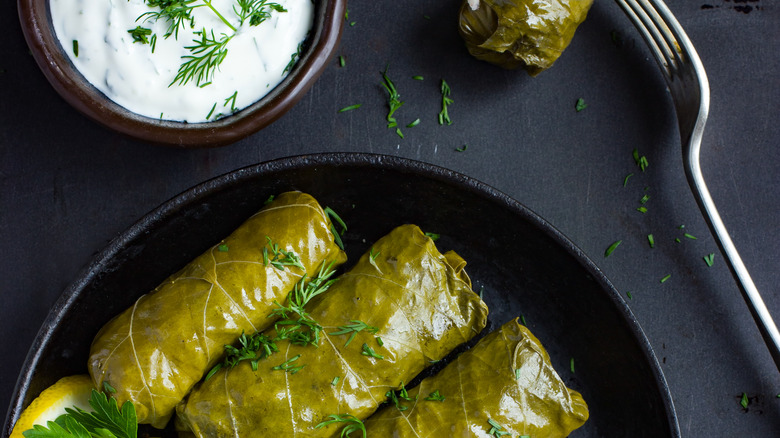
(68,186)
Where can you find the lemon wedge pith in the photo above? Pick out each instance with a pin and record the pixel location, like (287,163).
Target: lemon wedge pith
(51,403)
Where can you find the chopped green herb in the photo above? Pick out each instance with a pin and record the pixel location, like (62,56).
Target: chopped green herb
(350,108)
(681,227)
(580,105)
(640,161)
(625,180)
(288,366)
(644,199)
(630,297)
(677,239)
(269,200)
(690,236)
(571,365)
(418,78)
(651,240)
(462,148)
(481,291)
(334,218)
(212,111)
(612,248)
(342,62)
(435,396)
(444,116)
(522,318)
(140,34)
(496,429)
(668,276)
(281,257)
(642,209)
(335,381)
(222,247)
(433,236)
(368,351)
(232,100)
(396,398)
(709,259)
(253,348)
(351,424)
(399,133)
(517,374)
(296,55)
(76,48)
(393,101)
(379,341)
(352,23)
(353,329)
(744,402)
(413,124)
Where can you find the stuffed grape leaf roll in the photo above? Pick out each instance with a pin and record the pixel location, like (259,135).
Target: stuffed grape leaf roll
(155,351)
(402,306)
(505,385)
(515,33)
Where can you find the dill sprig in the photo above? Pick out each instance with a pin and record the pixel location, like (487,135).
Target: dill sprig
(444,115)
(278,257)
(393,100)
(353,329)
(351,424)
(207,55)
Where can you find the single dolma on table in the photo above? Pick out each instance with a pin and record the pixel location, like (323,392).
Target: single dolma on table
(155,351)
(407,304)
(520,33)
(505,385)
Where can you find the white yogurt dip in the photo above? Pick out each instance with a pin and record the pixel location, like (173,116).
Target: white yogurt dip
(133,76)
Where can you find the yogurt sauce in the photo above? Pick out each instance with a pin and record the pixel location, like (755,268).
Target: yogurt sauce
(139,80)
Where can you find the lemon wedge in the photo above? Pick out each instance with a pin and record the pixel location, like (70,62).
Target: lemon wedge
(67,392)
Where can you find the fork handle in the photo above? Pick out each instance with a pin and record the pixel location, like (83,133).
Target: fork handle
(755,303)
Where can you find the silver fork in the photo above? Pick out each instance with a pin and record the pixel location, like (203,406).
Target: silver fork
(687,81)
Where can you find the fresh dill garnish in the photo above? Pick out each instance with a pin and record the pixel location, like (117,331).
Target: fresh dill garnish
(232,100)
(281,257)
(140,34)
(709,259)
(253,348)
(222,247)
(642,209)
(435,396)
(269,200)
(76,48)
(418,78)
(379,341)
(342,61)
(522,319)
(206,56)
(368,351)
(208,116)
(444,115)
(288,365)
(413,124)
(433,236)
(351,424)
(625,180)
(651,240)
(106,420)
(335,381)
(644,199)
(350,108)
(612,248)
(668,276)
(640,161)
(496,429)
(393,101)
(293,58)
(690,236)
(372,259)
(353,329)
(744,401)
(396,398)
(571,365)
(208,52)
(334,218)
(628,294)
(580,105)
(462,148)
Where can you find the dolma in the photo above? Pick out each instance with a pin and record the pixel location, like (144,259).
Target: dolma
(155,351)
(505,385)
(515,33)
(402,306)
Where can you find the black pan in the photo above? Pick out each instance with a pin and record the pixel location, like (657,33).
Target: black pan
(521,263)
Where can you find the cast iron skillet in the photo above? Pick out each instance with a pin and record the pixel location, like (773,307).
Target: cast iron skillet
(521,263)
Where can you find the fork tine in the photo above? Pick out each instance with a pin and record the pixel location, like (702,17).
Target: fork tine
(655,32)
